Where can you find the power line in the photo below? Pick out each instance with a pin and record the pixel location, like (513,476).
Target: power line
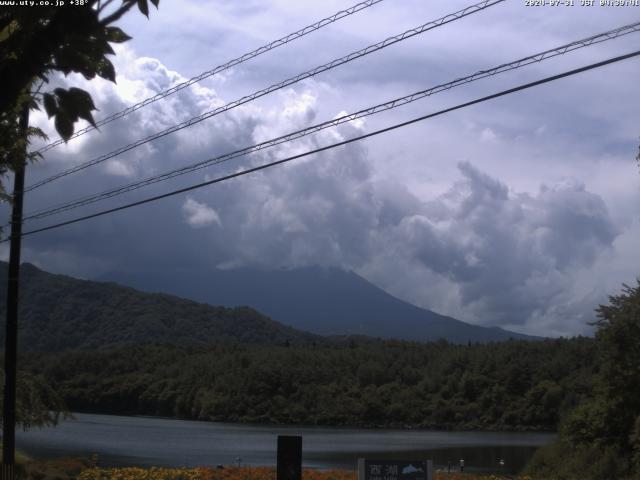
(334,145)
(220,68)
(310,73)
(538,57)
(352,56)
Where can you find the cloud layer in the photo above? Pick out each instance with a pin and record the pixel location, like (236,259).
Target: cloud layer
(499,215)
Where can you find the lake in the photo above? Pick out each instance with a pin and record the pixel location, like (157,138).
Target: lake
(143,441)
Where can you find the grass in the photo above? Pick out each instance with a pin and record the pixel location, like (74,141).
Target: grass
(58,469)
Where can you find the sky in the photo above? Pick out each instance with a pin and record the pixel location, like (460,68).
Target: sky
(520,212)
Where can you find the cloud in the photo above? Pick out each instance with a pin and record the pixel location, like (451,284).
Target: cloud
(199,215)
(481,250)
(514,236)
(118,168)
(510,254)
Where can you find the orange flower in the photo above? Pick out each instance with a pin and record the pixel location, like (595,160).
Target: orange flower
(243,473)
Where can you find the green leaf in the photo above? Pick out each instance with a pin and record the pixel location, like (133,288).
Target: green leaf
(33,104)
(60,92)
(64,126)
(116,35)
(36,132)
(105,70)
(86,115)
(155,2)
(82,99)
(106,48)
(66,106)
(66,60)
(144,7)
(50,105)
(82,104)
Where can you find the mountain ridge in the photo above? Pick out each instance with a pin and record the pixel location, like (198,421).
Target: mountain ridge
(58,312)
(321,300)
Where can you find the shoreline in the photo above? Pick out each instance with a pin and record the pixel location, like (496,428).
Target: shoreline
(373,428)
(151,441)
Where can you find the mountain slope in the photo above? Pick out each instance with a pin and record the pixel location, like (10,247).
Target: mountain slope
(59,312)
(319,300)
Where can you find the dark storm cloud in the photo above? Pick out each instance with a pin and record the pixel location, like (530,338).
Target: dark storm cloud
(501,247)
(480,250)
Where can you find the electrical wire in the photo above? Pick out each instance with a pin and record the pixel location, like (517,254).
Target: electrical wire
(310,73)
(335,145)
(391,104)
(220,68)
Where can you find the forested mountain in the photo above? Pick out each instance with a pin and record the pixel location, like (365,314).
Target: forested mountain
(511,385)
(59,312)
(325,301)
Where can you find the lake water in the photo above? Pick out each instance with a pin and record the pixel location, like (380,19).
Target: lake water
(121,441)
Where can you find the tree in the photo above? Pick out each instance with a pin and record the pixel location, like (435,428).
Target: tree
(37,403)
(602,435)
(618,338)
(611,418)
(38,42)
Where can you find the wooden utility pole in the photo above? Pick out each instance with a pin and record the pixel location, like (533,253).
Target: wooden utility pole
(11,337)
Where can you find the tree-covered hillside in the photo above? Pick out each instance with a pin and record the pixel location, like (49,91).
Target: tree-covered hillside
(59,312)
(510,385)
(601,437)
(321,300)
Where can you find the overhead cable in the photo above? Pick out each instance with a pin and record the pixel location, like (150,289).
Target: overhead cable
(290,81)
(388,105)
(220,68)
(334,145)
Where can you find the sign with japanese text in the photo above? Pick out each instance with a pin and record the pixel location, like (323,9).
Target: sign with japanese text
(395,469)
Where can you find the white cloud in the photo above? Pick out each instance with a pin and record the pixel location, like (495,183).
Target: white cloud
(488,135)
(118,168)
(199,215)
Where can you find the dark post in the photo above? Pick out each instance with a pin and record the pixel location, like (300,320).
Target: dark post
(11,338)
(289,457)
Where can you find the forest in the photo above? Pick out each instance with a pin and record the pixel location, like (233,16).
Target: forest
(66,313)
(515,385)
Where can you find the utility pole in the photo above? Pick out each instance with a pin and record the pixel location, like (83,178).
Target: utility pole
(11,337)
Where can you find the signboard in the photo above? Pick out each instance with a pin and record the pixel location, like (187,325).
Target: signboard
(289,465)
(395,469)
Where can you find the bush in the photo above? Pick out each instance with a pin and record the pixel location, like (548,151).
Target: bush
(563,461)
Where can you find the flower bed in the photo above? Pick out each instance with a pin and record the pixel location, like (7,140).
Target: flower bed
(243,473)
